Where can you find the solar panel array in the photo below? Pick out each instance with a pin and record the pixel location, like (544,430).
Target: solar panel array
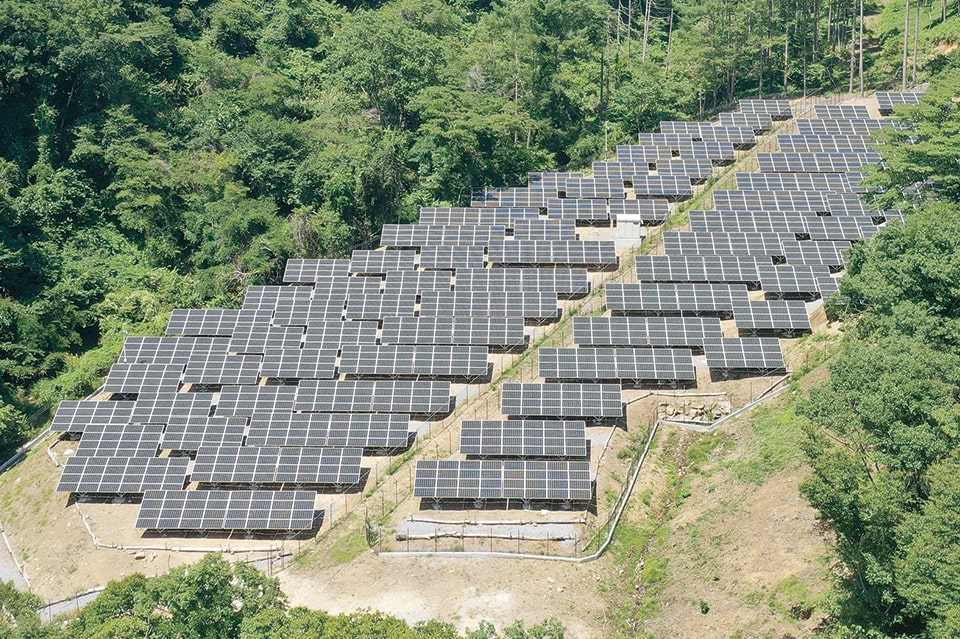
(293,387)
(645,331)
(523,480)
(888,100)
(633,364)
(248,510)
(523,438)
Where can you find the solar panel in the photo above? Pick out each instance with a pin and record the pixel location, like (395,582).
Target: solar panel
(718,269)
(189,436)
(748,222)
(247,510)
(669,186)
(771,315)
(122,475)
(844,227)
(777,109)
(532,305)
(742,244)
(512,197)
(465,331)
(308,271)
(635,364)
(791,280)
(418,281)
(327,306)
(825,143)
(846,204)
(572,253)
(465,216)
(503,479)
(561,400)
(568,282)
(170,407)
(523,438)
(142,378)
(844,127)
(841,111)
(759,122)
(708,131)
(888,100)
(770,201)
(423,360)
(650,210)
(834,162)
(119,440)
(718,151)
(169,350)
(407,235)
(645,154)
(751,353)
(266,298)
(255,401)
(668,298)
(451,257)
(223,369)
(828,285)
(620,170)
(332,334)
(374,307)
(831,254)
(587,211)
(367,431)
(366,285)
(73,415)
(214,322)
(645,331)
(374,396)
(260,340)
(696,170)
(792,182)
(544,178)
(277,465)
(379,262)
(545,230)
(300,363)
(592,188)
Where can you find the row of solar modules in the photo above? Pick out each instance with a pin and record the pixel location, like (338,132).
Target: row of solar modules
(188,434)
(581,211)
(645,185)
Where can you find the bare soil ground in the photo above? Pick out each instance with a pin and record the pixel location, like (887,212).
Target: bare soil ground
(749,552)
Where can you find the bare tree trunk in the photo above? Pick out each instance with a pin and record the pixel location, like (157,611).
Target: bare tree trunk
(670,38)
(646,30)
(629,26)
(861,47)
(786,56)
(916,41)
(853,59)
(906,43)
(816,29)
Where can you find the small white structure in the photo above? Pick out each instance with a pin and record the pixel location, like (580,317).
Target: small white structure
(630,230)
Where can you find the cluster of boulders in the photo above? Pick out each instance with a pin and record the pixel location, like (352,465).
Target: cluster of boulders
(695,410)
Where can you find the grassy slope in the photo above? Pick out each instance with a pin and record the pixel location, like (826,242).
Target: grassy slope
(727,548)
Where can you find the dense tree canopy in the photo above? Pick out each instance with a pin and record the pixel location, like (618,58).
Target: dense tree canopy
(886,477)
(214,599)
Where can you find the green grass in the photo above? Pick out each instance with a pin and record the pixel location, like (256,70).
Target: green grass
(349,547)
(778,433)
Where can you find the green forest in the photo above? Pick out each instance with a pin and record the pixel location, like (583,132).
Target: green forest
(884,441)
(214,599)
(167,154)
